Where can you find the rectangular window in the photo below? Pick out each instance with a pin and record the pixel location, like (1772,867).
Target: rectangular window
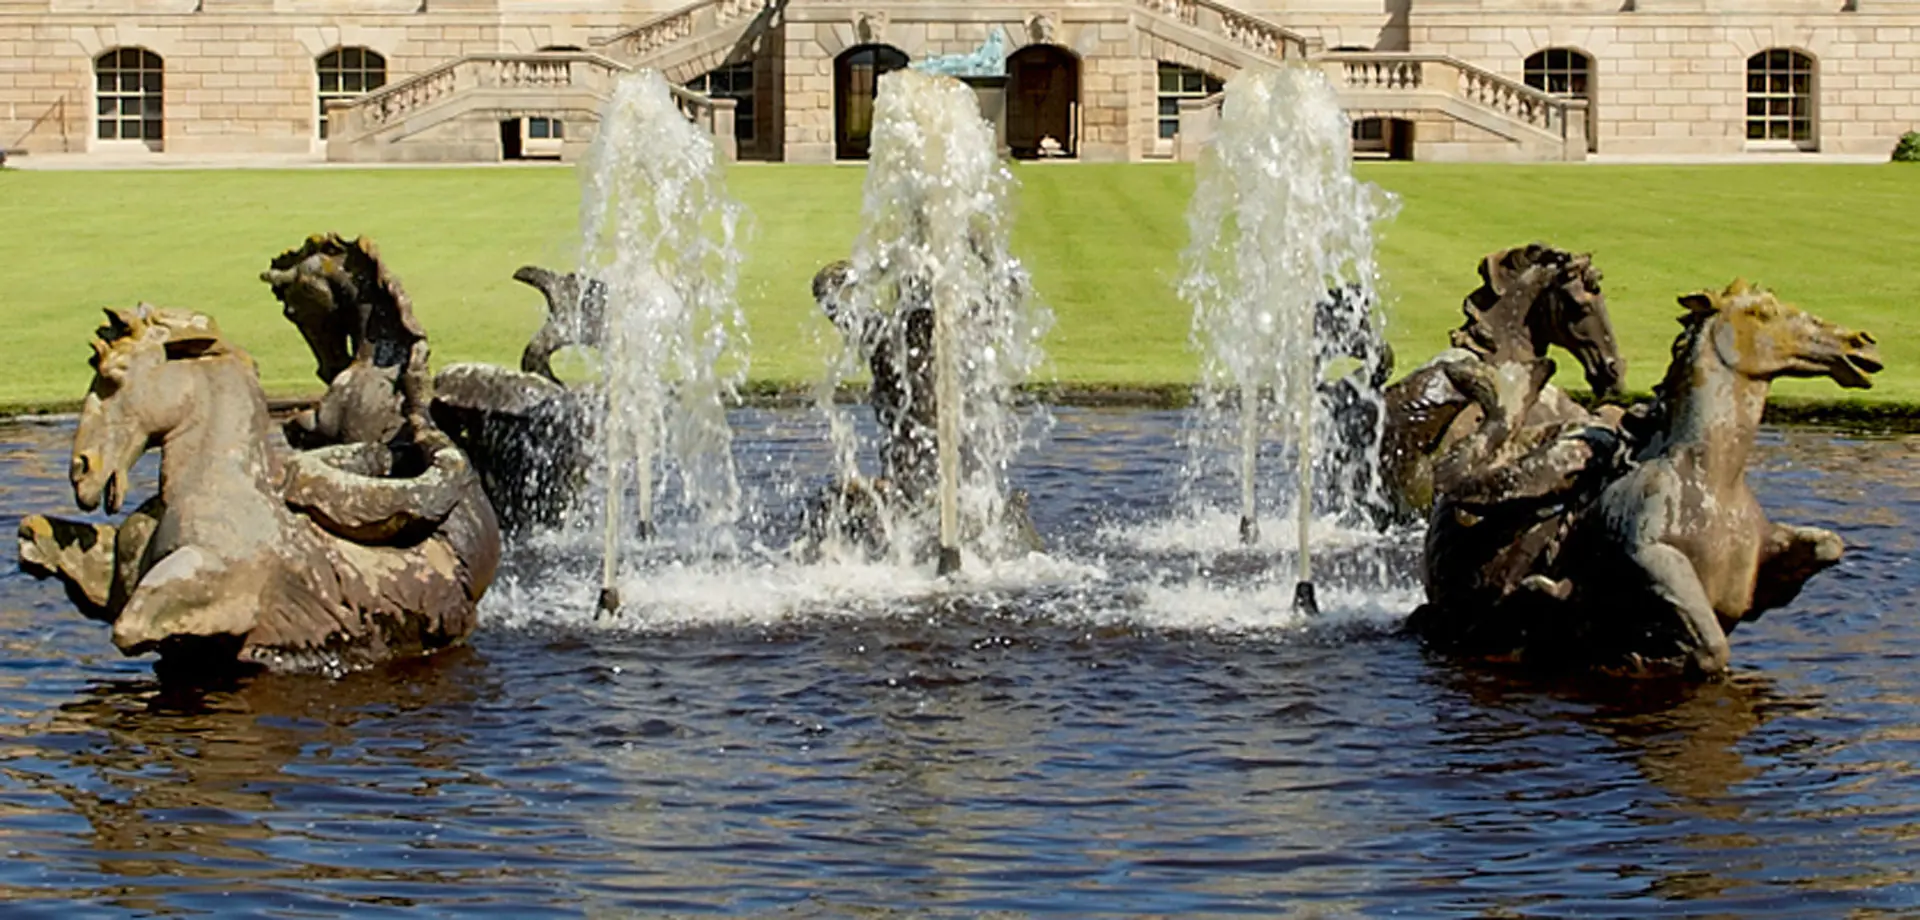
(735,81)
(1179,82)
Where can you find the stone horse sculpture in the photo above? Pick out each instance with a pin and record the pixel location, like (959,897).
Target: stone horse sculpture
(368,348)
(1651,567)
(898,349)
(1530,298)
(525,431)
(322,561)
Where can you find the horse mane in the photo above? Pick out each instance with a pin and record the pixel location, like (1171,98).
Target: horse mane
(361,281)
(1486,325)
(1703,306)
(187,334)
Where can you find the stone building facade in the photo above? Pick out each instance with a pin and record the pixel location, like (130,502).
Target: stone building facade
(1092,79)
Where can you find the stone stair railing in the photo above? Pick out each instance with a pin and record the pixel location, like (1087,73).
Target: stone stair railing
(535,74)
(1418,81)
(667,29)
(1391,71)
(1250,33)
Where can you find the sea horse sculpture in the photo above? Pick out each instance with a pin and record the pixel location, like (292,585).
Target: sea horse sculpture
(524,430)
(1666,557)
(324,561)
(1530,298)
(898,348)
(368,348)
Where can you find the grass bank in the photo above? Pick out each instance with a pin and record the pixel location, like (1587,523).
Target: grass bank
(1103,243)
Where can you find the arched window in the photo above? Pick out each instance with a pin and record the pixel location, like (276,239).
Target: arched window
(1780,97)
(1569,73)
(731,81)
(856,82)
(346,73)
(1560,71)
(1179,82)
(128,96)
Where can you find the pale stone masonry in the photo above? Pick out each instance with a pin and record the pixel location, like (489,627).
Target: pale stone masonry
(1447,78)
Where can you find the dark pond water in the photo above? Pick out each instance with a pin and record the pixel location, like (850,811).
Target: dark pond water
(1112,732)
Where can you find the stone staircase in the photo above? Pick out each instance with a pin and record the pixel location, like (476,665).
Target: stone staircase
(1460,112)
(453,112)
(1219,32)
(702,32)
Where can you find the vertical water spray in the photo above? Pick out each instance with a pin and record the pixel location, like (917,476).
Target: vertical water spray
(1279,268)
(931,271)
(661,233)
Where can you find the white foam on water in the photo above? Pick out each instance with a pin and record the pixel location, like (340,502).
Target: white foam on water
(680,595)
(1216,530)
(1201,605)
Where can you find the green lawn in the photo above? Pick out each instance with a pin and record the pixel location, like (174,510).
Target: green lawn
(1102,241)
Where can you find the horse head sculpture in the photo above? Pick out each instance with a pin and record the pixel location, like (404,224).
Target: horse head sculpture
(139,393)
(1535,296)
(367,346)
(1752,333)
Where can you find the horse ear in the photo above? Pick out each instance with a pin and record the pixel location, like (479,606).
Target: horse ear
(1699,303)
(188,335)
(128,321)
(1497,271)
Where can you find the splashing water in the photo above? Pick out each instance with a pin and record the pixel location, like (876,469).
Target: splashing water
(1280,272)
(662,234)
(935,293)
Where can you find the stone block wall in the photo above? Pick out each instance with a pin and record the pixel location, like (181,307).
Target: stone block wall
(240,75)
(1676,82)
(1115,100)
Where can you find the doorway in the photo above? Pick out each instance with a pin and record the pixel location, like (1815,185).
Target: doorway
(1043,102)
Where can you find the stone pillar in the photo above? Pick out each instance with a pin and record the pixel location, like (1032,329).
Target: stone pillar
(1199,122)
(1576,131)
(806,96)
(992,92)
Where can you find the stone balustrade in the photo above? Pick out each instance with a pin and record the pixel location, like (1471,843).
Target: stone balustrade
(1413,83)
(1248,32)
(540,76)
(667,29)
(1394,71)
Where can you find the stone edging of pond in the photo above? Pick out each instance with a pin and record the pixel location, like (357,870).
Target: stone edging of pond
(1780,410)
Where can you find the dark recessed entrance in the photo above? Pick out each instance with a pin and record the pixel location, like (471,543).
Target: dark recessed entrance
(1043,101)
(856,74)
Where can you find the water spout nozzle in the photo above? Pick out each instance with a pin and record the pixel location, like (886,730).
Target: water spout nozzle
(949,560)
(609,600)
(646,530)
(1304,599)
(1249,530)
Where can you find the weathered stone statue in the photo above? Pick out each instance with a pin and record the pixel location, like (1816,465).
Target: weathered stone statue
(525,431)
(1643,565)
(1530,298)
(322,560)
(898,348)
(368,348)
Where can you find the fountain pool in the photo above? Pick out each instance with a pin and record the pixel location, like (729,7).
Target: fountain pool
(1103,732)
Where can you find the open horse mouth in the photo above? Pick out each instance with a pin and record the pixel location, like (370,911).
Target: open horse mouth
(1853,368)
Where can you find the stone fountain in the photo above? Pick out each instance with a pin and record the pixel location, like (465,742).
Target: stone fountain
(1280,272)
(942,315)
